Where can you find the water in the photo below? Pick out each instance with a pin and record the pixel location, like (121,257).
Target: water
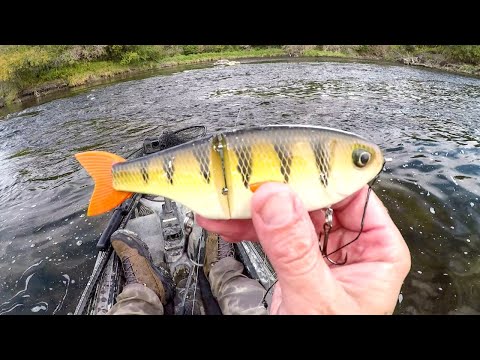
(426,122)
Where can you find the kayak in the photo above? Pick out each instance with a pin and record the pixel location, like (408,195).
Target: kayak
(173,238)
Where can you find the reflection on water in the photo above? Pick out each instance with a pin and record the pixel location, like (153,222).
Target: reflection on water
(426,122)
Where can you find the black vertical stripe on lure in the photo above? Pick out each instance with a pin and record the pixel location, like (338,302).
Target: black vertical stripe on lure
(285,161)
(169,168)
(144,173)
(244,155)
(321,160)
(203,162)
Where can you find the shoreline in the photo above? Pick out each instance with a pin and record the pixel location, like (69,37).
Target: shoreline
(102,75)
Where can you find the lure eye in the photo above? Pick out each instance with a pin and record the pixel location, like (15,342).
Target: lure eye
(361,157)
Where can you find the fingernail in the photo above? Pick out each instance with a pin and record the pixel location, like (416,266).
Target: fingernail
(278,209)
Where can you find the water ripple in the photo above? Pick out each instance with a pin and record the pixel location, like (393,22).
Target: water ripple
(426,122)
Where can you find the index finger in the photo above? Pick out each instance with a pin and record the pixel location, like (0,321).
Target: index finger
(230,230)
(348,213)
(239,230)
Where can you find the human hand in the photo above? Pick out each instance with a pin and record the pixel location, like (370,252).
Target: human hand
(370,281)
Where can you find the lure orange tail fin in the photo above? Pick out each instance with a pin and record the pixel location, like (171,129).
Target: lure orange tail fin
(99,165)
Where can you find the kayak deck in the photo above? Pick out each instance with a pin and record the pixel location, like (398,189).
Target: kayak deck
(174,239)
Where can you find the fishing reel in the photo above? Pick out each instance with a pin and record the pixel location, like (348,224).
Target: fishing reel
(152,145)
(169,139)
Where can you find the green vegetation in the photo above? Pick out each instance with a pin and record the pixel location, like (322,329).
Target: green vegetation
(32,70)
(323,53)
(35,70)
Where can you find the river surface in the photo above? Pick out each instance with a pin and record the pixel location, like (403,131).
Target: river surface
(426,122)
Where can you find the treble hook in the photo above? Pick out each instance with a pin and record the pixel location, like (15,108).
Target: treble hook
(327,226)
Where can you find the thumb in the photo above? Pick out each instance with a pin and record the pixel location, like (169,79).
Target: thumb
(288,237)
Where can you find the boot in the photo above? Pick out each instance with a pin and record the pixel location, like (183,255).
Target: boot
(138,266)
(216,249)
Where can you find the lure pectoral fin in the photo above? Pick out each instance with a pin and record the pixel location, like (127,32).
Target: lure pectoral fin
(99,165)
(255,186)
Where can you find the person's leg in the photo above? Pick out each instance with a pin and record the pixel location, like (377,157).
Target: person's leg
(147,287)
(236,293)
(137,299)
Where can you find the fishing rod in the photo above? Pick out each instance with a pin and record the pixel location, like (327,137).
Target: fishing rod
(120,215)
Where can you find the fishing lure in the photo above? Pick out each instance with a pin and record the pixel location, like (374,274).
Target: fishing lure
(217,175)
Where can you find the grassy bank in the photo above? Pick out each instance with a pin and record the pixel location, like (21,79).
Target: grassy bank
(35,70)
(27,71)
